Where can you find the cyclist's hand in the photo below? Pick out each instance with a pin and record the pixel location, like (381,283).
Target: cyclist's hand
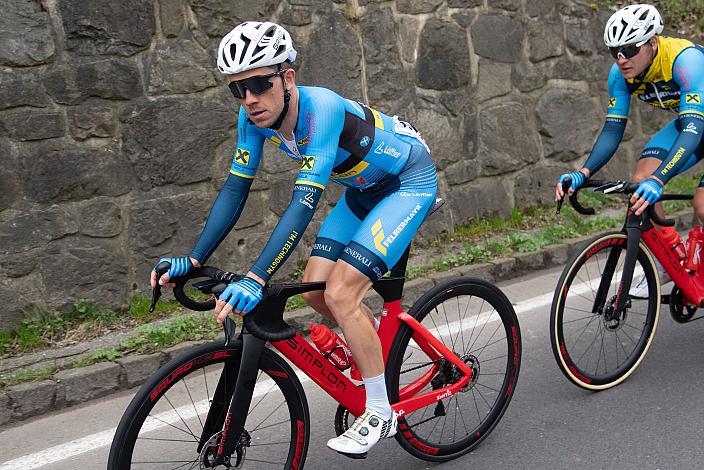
(577,178)
(240,297)
(647,193)
(179,267)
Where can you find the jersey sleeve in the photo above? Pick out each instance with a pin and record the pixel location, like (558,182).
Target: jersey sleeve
(616,119)
(248,153)
(230,201)
(688,72)
(316,167)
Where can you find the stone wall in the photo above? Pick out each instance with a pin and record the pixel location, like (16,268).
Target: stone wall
(116,129)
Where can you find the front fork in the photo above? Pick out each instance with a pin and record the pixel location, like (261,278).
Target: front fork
(634,228)
(243,383)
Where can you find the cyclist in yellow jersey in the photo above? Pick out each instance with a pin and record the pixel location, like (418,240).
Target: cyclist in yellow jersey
(664,72)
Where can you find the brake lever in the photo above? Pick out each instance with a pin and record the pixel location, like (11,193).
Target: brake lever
(160,269)
(228,325)
(566,183)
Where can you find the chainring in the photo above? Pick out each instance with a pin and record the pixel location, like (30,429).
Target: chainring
(680,312)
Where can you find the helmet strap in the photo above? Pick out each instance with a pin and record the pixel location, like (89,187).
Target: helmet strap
(282,116)
(287,98)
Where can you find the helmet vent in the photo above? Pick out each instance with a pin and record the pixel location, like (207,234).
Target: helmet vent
(246,42)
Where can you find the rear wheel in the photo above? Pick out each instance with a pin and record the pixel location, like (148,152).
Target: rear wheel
(594,347)
(475,320)
(163,424)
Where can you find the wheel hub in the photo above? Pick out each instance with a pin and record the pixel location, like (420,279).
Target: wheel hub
(473,362)
(611,320)
(208,454)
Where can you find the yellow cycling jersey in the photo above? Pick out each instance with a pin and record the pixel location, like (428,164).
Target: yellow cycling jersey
(658,87)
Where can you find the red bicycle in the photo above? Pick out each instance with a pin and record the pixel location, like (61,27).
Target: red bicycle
(452,362)
(600,332)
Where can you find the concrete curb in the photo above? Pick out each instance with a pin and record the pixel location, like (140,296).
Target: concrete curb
(71,387)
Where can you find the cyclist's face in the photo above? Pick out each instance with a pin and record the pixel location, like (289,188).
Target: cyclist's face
(634,66)
(264,108)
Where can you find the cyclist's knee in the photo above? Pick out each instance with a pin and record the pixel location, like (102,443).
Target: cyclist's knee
(314,299)
(342,301)
(698,205)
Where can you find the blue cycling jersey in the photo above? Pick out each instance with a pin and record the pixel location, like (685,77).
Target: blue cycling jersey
(674,81)
(334,138)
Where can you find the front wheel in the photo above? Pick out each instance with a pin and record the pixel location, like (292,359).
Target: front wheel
(176,418)
(476,321)
(595,347)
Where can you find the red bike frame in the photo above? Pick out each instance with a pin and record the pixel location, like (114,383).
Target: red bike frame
(692,286)
(309,360)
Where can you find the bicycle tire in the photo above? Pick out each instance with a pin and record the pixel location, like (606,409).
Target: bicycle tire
(186,369)
(573,323)
(490,391)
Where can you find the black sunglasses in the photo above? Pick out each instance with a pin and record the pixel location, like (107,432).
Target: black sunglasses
(626,51)
(257,84)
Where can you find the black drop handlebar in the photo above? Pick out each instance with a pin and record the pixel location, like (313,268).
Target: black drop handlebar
(616,187)
(265,323)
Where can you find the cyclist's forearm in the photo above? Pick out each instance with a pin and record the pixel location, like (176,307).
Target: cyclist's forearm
(288,231)
(687,142)
(223,216)
(606,144)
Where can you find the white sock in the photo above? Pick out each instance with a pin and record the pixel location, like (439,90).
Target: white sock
(377,400)
(376,324)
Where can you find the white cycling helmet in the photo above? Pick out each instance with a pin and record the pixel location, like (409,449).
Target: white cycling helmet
(634,24)
(253,44)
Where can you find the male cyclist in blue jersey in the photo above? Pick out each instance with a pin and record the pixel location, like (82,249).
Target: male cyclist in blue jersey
(664,72)
(390,183)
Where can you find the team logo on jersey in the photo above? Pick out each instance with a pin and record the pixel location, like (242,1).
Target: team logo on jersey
(612,102)
(364,141)
(303,141)
(307,163)
(692,98)
(378,233)
(242,156)
(691,128)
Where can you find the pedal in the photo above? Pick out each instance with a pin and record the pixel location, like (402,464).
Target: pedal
(354,456)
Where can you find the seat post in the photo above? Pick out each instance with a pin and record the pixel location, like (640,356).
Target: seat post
(399,269)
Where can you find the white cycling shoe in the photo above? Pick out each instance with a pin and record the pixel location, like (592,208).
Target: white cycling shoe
(364,433)
(639,285)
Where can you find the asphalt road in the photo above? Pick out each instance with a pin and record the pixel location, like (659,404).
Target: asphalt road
(651,421)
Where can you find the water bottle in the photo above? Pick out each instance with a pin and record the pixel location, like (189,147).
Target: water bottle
(694,246)
(333,348)
(673,240)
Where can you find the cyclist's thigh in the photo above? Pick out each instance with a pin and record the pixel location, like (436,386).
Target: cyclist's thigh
(655,151)
(337,230)
(660,144)
(386,231)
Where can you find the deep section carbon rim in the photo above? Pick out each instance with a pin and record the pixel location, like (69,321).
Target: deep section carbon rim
(594,347)
(476,321)
(163,425)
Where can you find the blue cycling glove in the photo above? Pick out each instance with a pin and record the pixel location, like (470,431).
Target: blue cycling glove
(243,295)
(650,190)
(179,266)
(577,178)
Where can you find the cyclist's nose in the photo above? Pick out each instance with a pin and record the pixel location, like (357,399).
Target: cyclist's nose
(250,98)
